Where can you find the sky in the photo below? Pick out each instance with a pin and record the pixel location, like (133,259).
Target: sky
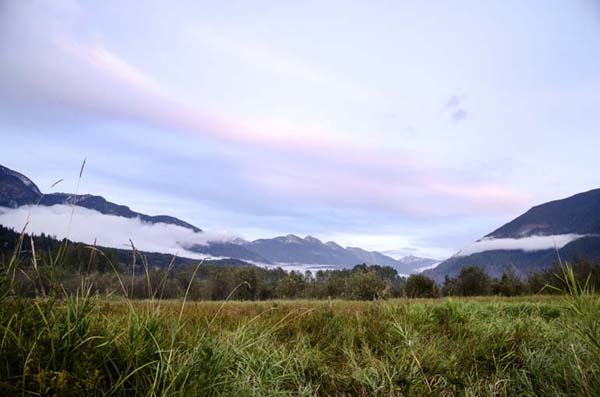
(401,126)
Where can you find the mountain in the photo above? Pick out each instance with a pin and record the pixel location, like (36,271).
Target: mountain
(309,250)
(578,214)
(103,206)
(225,249)
(406,265)
(372,257)
(417,262)
(17,190)
(568,228)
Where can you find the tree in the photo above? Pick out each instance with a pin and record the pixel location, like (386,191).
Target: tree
(249,283)
(420,286)
(335,286)
(449,287)
(366,285)
(509,284)
(291,286)
(472,281)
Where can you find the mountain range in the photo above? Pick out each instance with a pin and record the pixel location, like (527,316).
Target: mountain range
(558,230)
(309,250)
(18,190)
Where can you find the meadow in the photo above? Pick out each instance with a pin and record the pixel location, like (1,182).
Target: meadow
(63,337)
(88,345)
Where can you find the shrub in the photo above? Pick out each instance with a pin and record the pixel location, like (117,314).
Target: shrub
(366,285)
(420,286)
(472,281)
(508,285)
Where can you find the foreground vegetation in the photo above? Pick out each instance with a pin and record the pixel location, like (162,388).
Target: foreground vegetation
(62,332)
(84,345)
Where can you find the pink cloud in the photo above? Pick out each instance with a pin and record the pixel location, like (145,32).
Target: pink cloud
(312,164)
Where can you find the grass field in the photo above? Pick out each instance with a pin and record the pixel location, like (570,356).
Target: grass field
(536,345)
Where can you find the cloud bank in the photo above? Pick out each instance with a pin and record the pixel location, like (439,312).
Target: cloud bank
(90,226)
(527,244)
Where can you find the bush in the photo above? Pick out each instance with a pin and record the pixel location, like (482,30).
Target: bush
(366,285)
(508,285)
(420,286)
(472,281)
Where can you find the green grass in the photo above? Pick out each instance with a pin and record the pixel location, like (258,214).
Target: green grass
(84,345)
(81,344)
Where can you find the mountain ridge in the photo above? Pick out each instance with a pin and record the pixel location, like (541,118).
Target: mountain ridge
(309,250)
(17,190)
(574,220)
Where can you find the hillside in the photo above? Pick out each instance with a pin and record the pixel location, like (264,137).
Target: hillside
(17,190)
(565,229)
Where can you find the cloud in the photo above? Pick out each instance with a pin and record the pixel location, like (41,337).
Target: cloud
(257,55)
(455,109)
(90,226)
(458,115)
(53,69)
(453,102)
(83,78)
(527,244)
(423,268)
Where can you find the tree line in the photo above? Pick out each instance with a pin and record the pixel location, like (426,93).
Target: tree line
(50,265)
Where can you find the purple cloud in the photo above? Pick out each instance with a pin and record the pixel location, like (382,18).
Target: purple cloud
(458,115)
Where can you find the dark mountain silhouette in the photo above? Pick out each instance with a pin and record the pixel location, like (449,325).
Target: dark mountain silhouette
(577,215)
(17,190)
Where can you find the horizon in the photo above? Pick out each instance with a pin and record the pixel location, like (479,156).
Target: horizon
(398,128)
